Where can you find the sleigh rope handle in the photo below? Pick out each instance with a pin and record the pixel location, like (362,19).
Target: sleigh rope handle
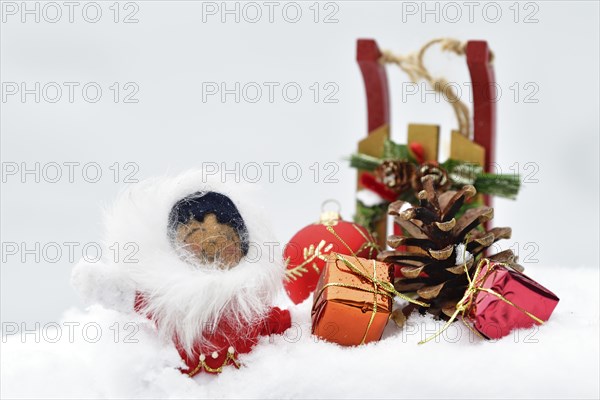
(412,64)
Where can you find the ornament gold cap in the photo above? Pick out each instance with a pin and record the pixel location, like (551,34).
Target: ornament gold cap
(330,217)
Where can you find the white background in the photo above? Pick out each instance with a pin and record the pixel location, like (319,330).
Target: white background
(171,51)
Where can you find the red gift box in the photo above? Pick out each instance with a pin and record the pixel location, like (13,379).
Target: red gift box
(521,299)
(500,299)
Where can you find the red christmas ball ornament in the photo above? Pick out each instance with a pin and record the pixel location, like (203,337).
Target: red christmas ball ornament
(306,253)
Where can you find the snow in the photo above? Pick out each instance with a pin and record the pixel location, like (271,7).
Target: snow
(462,255)
(369,198)
(557,360)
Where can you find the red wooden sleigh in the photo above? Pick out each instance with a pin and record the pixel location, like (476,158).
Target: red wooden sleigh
(478,149)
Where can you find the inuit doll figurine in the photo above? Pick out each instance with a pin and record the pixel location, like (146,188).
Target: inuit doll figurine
(209,227)
(192,274)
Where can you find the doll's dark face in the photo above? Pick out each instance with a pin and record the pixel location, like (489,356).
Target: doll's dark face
(211,241)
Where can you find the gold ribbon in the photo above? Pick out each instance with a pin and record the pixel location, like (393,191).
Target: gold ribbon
(370,244)
(203,365)
(380,287)
(464,304)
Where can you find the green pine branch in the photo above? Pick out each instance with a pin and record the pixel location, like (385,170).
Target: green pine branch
(506,185)
(363,161)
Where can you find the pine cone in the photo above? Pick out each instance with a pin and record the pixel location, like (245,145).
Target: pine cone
(396,175)
(441,181)
(400,176)
(438,245)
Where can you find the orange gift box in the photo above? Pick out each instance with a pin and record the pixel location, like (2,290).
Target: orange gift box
(352,302)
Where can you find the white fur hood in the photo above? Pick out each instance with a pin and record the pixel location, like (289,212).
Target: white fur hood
(182,299)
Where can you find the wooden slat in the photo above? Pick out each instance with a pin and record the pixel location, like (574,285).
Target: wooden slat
(483,82)
(484,98)
(373,144)
(427,136)
(378,110)
(376,83)
(463,149)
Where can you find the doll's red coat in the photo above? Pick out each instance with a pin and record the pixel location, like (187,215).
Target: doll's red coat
(227,339)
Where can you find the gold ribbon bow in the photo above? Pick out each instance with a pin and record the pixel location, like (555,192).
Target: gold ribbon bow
(464,305)
(380,287)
